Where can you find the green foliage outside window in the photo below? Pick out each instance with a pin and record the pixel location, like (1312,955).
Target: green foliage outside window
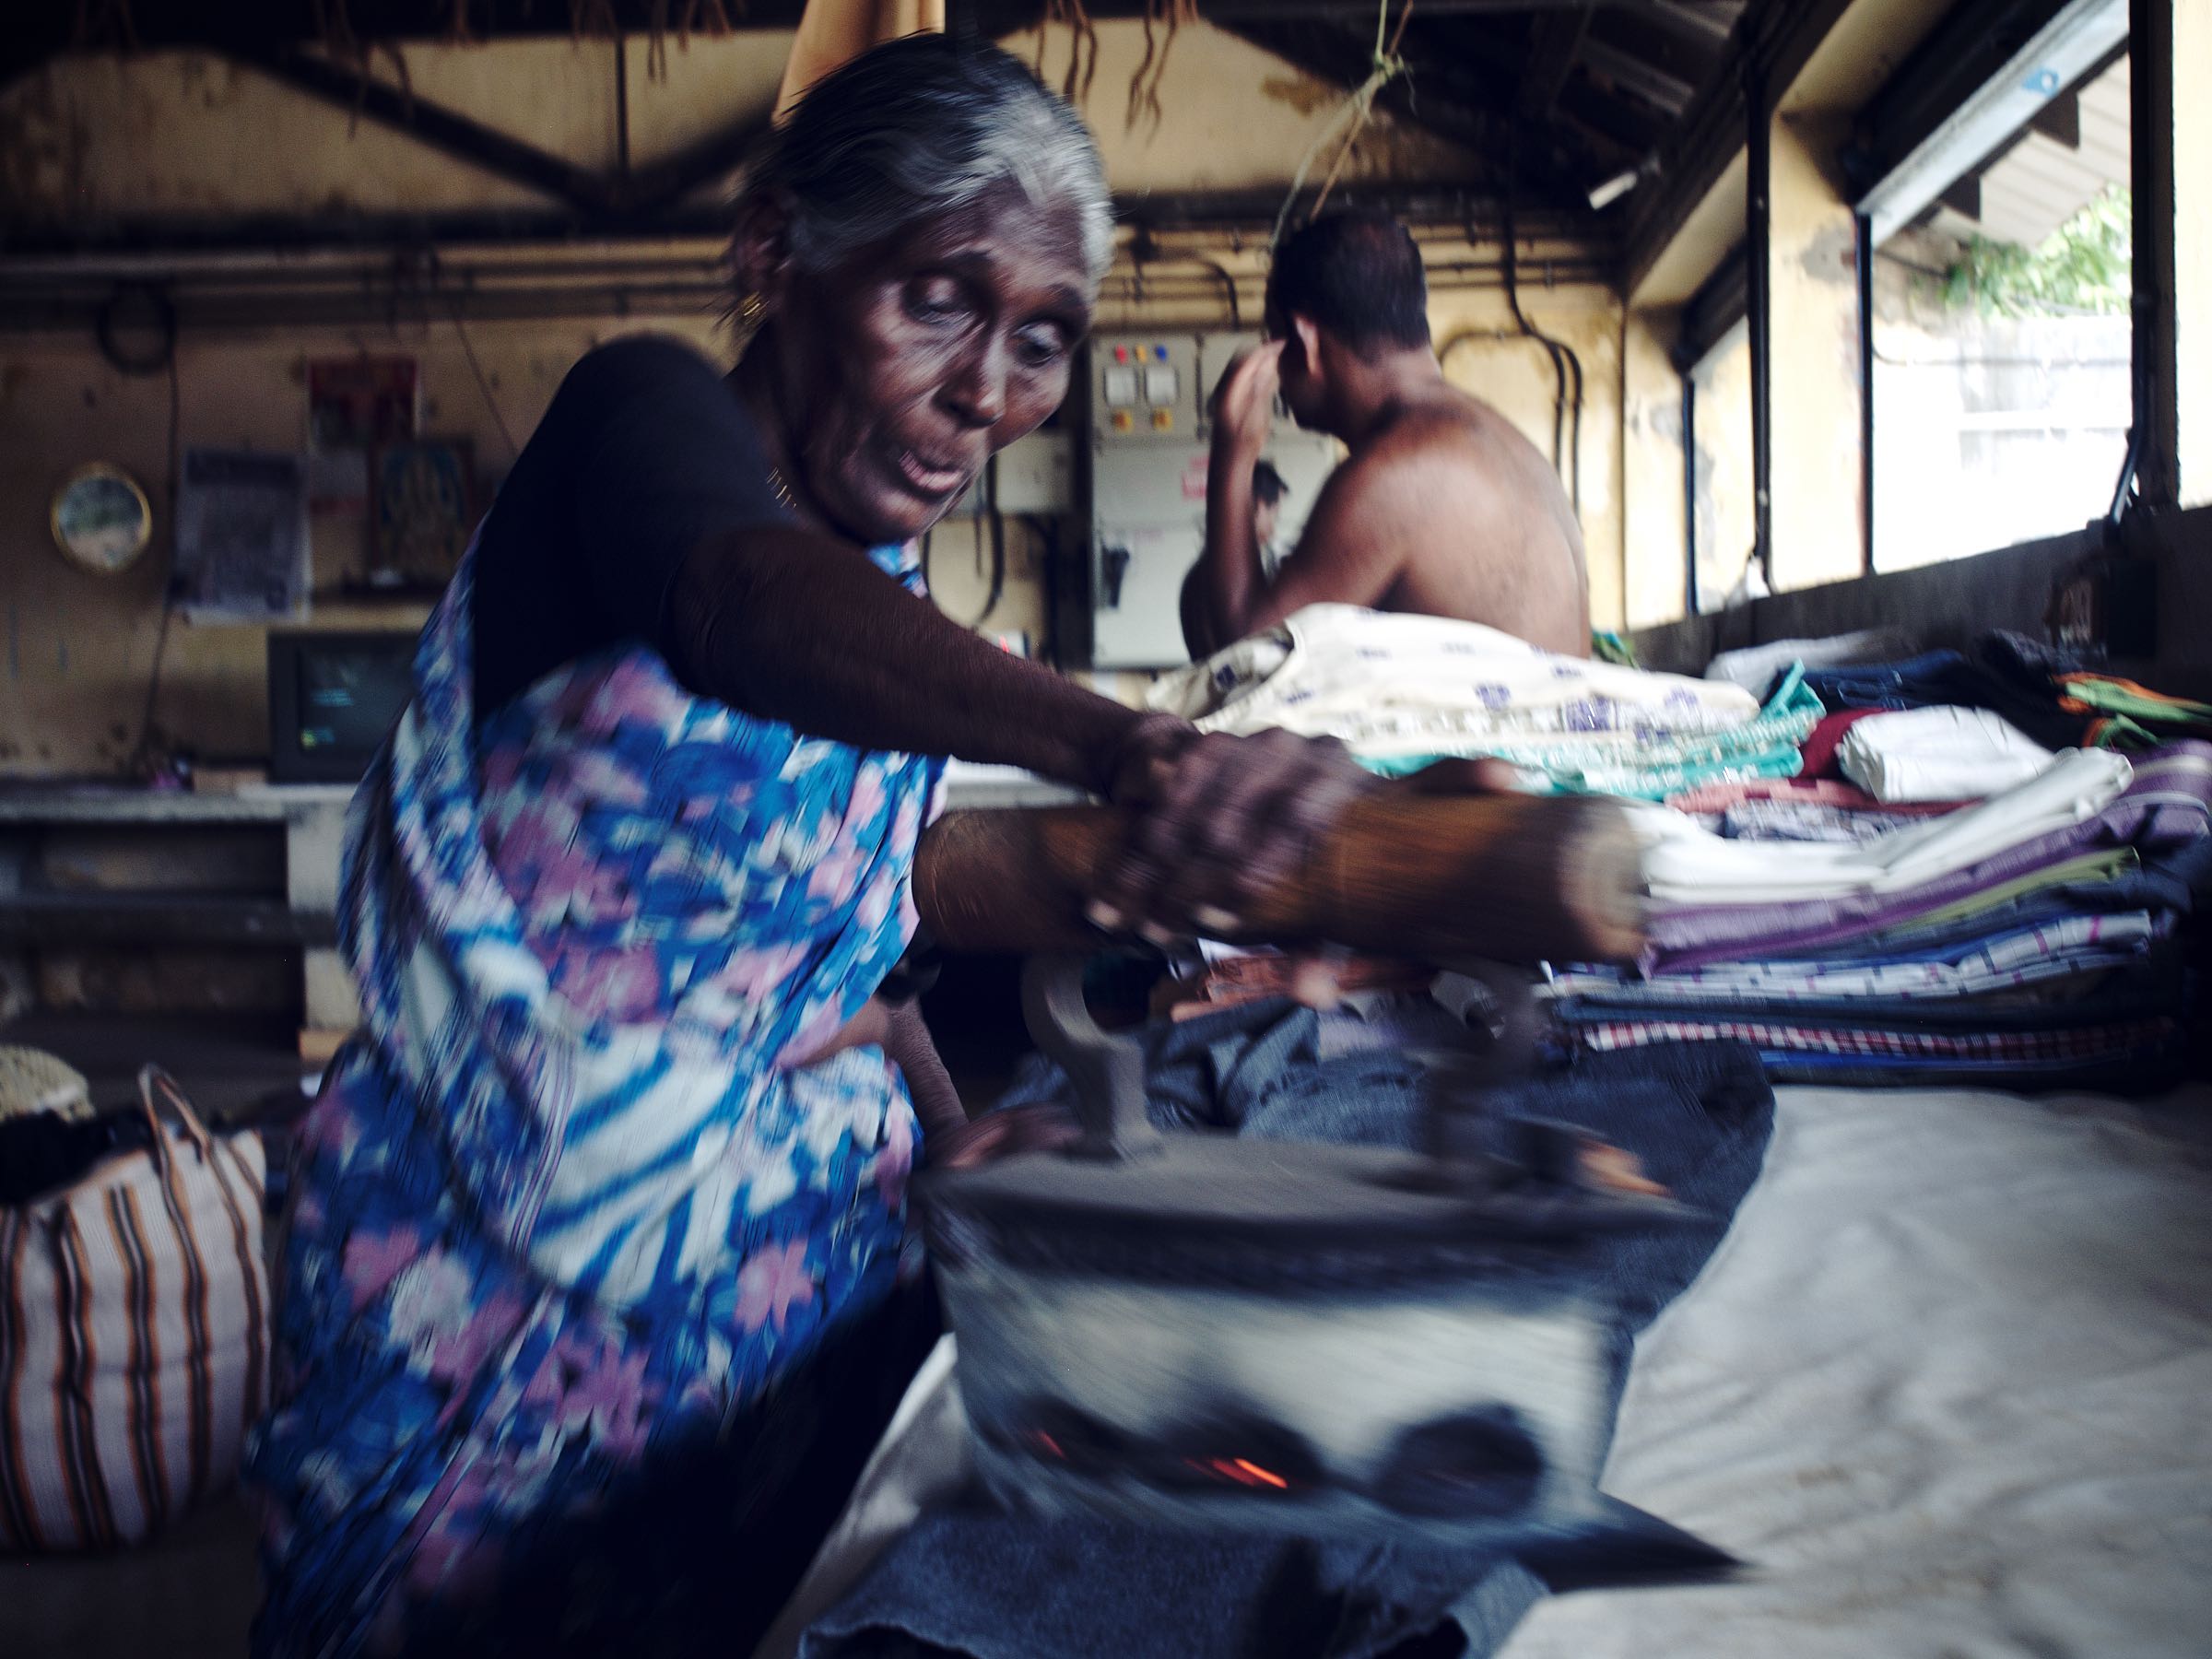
(2082,268)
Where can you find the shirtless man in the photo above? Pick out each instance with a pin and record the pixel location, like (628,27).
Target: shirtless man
(1441,508)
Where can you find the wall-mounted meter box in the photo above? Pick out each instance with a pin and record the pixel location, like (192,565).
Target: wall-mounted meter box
(1144,389)
(1031,477)
(1149,445)
(1036,474)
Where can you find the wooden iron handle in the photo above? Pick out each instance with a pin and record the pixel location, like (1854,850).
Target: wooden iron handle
(1516,879)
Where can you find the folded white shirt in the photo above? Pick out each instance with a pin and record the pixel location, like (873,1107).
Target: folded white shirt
(1391,686)
(1939,754)
(1686,864)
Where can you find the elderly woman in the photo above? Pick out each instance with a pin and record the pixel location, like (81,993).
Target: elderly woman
(592,1300)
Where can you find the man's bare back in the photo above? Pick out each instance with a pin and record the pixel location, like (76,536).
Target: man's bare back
(1487,531)
(1441,508)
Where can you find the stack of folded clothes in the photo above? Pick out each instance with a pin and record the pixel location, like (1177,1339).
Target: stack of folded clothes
(1939,867)
(2048,695)
(2037,938)
(1404,692)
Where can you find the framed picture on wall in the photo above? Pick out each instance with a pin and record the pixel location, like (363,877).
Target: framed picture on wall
(422,510)
(241,537)
(362,402)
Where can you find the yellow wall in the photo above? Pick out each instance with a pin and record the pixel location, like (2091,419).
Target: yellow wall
(1492,361)
(80,648)
(1818,510)
(1818,522)
(189,133)
(1651,470)
(1727,521)
(184,134)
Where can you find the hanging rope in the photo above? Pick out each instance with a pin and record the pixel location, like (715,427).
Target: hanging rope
(1388,66)
(390,49)
(1075,17)
(333,24)
(1351,120)
(110,27)
(707,18)
(1144,86)
(458,31)
(590,19)
(1144,67)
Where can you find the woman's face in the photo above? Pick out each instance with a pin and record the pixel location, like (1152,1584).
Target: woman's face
(900,372)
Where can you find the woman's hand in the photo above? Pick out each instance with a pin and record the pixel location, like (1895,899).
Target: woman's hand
(1221,820)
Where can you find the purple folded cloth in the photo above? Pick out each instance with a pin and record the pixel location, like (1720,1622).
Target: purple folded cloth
(2167,805)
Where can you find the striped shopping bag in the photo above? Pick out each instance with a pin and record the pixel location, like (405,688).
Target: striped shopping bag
(133,1335)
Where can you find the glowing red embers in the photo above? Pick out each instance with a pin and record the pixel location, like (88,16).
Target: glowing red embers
(1239,1471)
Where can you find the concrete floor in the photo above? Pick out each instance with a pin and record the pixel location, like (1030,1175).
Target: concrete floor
(189,1594)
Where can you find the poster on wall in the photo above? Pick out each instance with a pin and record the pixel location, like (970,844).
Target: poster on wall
(362,402)
(241,537)
(424,510)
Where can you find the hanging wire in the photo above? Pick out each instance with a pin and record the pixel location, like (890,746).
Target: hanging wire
(142,752)
(469,350)
(1564,362)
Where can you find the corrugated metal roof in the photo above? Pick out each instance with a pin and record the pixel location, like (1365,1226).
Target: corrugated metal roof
(2038,182)
(1574,93)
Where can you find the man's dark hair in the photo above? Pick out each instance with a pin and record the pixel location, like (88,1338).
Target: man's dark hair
(1267,485)
(1357,274)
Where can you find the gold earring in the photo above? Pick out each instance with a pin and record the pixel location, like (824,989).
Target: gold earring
(750,309)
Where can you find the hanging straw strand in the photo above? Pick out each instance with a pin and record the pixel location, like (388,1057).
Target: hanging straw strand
(1352,119)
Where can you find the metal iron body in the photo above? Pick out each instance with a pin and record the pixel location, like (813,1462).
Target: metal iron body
(1328,1341)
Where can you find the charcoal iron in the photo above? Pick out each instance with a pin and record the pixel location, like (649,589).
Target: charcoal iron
(1202,1332)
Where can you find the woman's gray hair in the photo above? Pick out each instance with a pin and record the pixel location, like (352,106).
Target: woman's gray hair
(919,128)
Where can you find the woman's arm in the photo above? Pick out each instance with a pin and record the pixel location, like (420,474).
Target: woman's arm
(796,627)
(805,629)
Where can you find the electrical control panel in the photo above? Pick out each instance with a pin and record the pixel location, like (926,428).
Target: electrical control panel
(1146,389)
(1149,446)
